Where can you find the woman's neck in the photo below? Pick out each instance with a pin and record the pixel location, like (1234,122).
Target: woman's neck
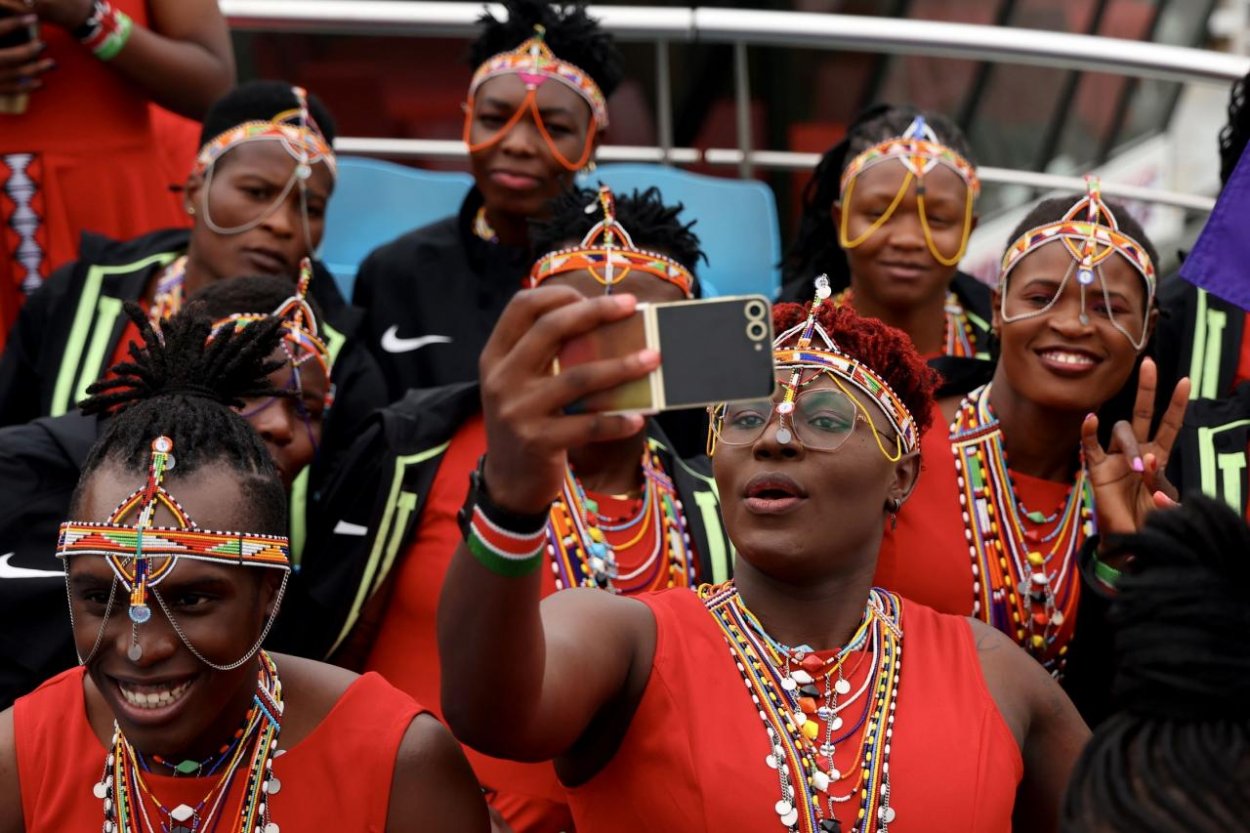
(1040,442)
(924,323)
(610,468)
(196,275)
(821,613)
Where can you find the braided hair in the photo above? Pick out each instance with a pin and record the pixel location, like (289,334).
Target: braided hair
(573,36)
(1235,135)
(183,387)
(1176,757)
(816,249)
(650,223)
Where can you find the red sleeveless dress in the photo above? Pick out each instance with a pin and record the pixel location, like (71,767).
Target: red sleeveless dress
(694,756)
(81,158)
(340,772)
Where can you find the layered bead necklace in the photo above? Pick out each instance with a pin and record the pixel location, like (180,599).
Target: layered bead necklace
(582,556)
(1024,581)
(126,795)
(958,341)
(806,703)
(167,300)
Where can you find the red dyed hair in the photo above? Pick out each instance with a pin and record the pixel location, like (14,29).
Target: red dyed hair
(885,349)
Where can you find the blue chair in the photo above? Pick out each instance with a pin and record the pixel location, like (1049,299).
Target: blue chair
(374,202)
(737,223)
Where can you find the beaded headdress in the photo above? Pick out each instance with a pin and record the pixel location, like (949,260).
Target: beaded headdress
(295,129)
(535,64)
(142,554)
(1091,234)
(608,253)
(919,151)
(828,357)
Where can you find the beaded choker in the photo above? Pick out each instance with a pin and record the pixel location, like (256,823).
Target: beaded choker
(806,703)
(608,253)
(959,339)
(126,795)
(1025,583)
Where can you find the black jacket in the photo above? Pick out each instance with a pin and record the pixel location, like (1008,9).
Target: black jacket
(372,504)
(432,297)
(39,466)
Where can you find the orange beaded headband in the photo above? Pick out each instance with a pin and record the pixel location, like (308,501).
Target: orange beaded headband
(295,129)
(919,151)
(608,253)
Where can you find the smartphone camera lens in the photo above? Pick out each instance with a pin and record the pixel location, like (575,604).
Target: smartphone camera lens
(756,331)
(755,310)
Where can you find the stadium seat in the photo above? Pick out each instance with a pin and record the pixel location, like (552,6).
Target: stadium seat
(374,202)
(737,223)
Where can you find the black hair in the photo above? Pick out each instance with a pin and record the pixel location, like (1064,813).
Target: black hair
(650,223)
(1052,210)
(181,386)
(816,249)
(1176,756)
(250,294)
(261,101)
(1235,135)
(573,36)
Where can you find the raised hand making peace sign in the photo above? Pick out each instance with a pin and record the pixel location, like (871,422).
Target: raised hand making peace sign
(1128,476)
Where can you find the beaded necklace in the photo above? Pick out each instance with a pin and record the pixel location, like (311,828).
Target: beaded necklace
(122,788)
(167,300)
(581,555)
(482,228)
(1024,582)
(190,768)
(959,339)
(783,683)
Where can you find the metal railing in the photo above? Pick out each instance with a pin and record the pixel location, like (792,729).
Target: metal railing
(743,28)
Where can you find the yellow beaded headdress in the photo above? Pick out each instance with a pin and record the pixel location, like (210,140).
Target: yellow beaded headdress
(1091,234)
(919,151)
(535,64)
(608,253)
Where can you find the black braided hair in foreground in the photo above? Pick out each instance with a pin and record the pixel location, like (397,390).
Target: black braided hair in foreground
(179,386)
(573,36)
(1176,757)
(651,224)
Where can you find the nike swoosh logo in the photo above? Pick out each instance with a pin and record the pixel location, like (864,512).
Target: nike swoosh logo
(392,343)
(9,571)
(345,528)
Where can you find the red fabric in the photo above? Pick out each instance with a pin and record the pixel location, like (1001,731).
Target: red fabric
(926,559)
(693,758)
(406,650)
(130,335)
(59,759)
(91,137)
(1242,373)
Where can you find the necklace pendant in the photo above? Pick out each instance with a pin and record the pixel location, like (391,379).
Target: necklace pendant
(789,684)
(181,813)
(187,768)
(801,677)
(100,790)
(135,652)
(842,686)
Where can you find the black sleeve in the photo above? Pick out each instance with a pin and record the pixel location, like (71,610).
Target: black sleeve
(359,390)
(19,366)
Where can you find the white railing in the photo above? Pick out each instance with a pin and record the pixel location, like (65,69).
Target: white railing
(743,28)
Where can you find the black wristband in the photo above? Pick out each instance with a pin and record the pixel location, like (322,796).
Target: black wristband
(479,497)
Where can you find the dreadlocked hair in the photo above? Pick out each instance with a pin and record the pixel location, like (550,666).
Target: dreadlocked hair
(816,250)
(572,34)
(260,294)
(180,385)
(885,349)
(1052,211)
(650,223)
(1176,757)
(1235,135)
(261,101)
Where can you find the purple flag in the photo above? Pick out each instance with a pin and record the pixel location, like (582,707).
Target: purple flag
(1220,260)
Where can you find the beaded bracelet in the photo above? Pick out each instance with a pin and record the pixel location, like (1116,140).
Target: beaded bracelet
(105,31)
(502,551)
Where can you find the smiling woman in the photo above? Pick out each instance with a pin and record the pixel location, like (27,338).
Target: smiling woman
(177,714)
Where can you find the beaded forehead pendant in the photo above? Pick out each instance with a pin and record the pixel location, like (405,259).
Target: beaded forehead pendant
(829,358)
(143,554)
(919,152)
(608,253)
(1090,233)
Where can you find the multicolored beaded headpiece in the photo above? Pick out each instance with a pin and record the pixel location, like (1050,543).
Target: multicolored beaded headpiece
(608,253)
(295,129)
(535,64)
(143,554)
(919,151)
(1091,234)
(829,358)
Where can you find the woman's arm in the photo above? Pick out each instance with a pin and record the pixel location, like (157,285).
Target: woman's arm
(433,789)
(183,60)
(520,680)
(10,790)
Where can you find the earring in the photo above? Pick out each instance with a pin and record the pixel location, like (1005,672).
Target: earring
(190,209)
(893,505)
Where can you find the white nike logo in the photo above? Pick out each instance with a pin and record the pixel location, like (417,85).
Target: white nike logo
(392,343)
(9,571)
(345,528)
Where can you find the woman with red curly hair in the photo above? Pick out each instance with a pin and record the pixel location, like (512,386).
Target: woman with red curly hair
(775,701)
